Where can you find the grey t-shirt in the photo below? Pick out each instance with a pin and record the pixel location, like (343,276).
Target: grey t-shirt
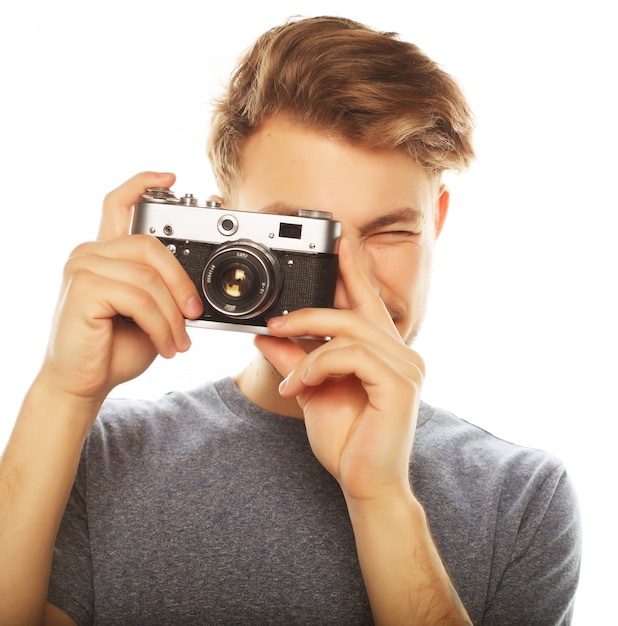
(201,508)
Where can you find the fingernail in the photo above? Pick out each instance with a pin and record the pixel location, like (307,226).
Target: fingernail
(276,322)
(282,385)
(194,307)
(185,343)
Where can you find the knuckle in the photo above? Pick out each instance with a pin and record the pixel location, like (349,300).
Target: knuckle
(360,352)
(70,266)
(419,362)
(80,281)
(73,265)
(113,198)
(81,249)
(146,277)
(151,246)
(143,300)
(108,199)
(413,374)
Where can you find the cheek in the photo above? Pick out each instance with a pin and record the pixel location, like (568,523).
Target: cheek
(399,271)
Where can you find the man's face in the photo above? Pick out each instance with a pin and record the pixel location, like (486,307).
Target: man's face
(390,209)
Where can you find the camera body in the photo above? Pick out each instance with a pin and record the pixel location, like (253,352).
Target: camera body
(247,267)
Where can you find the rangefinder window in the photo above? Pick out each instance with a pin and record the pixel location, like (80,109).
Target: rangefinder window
(290,231)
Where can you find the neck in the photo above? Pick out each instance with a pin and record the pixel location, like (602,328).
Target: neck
(259,383)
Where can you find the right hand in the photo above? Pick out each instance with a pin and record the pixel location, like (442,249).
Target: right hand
(123,301)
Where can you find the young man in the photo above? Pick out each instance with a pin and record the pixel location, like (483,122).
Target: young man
(218,506)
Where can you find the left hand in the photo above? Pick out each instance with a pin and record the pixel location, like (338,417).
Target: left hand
(359,392)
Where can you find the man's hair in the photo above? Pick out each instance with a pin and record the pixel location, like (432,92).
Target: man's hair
(342,78)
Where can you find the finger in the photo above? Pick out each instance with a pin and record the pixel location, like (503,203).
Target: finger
(385,377)
(118,204)
(362,295)
(142,277)
(96,300)
(335,323)
(343,325)
(282,353)
(149,261)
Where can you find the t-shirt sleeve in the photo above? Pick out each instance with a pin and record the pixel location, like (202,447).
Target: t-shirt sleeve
(538,579)
(70,585)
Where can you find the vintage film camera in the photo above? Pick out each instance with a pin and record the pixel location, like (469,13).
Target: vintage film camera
(247,267)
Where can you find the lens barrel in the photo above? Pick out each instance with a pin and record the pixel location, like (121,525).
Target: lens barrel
(242,279)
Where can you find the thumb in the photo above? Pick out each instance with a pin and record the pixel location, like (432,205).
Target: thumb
(118,204)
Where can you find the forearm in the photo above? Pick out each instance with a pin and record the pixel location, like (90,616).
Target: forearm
(37,471)
(404,576)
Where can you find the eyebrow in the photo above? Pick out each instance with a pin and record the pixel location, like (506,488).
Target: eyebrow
(280,208)
(407,215)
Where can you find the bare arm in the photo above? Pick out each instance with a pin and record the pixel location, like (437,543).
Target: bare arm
(360,394)
(92,348)
(36,475)
(403,573)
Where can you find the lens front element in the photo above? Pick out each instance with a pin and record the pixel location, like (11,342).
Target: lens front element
(237,282)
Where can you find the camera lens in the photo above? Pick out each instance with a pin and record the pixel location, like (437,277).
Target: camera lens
(242,279)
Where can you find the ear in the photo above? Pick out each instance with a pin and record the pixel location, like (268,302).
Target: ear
(442,203)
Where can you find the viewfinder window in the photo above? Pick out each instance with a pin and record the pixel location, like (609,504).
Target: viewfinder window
(290,231)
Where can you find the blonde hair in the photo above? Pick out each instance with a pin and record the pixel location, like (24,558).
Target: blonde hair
(345,79)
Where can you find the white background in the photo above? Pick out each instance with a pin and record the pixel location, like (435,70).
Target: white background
(520,336)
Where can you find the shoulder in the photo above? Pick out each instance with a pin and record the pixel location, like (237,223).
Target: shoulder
(455,461)
(127,411)
(505,517)
(135,427)
(454,443)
